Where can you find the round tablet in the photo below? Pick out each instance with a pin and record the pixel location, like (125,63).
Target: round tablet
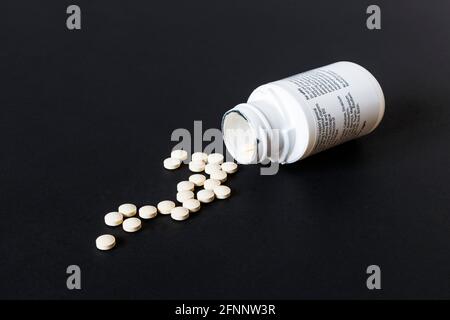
(197,179)
(179,213)
(193,205)
(179,154)
(185,186)
(210,184)
(229,167)
(171,163)
(210,168)
(113,219)
(205,196)
(165,206)
(215,158)
(199,156)
(219,175)
(196,166)
(105,242)
(184,195)
(222,192)
(148,212)
(131,224)
(127,209)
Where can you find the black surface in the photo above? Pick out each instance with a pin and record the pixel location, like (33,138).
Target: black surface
(86,118)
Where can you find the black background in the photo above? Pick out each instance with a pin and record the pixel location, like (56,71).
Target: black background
(86,118)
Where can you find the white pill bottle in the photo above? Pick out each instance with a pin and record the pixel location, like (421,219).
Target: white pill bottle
(290,119)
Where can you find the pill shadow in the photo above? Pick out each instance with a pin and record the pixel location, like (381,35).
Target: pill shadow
(120,241)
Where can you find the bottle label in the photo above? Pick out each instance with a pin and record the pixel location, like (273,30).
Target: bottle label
(341,104)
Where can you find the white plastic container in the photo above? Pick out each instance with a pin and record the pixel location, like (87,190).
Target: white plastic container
(290,119)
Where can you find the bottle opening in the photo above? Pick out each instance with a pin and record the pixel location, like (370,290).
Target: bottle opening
(239,137)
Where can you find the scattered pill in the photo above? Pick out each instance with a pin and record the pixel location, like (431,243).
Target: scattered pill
(197,179)
(179,154)
(219,175)
(179,213)
(185,186)
(184,195)
(193,205)
(148,212)
(105,242)
(196,166)
(205,196)
(215,158)
(131,224)
(165,206)
(127,209)
(249,151)
(229,167)
(212,164)
(113,219)
(171,163)
(199,156)
(210,168)
(210,184)
(222,192)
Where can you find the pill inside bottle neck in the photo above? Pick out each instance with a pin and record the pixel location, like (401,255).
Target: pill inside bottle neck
(240,138)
